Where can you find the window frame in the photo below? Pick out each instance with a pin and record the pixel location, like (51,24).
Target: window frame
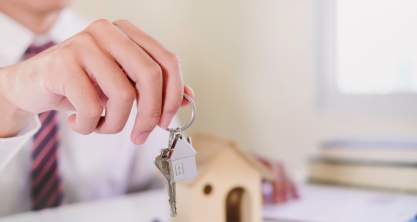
(330,98)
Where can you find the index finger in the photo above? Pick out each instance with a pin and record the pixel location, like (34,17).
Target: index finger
(173,82)
(141,69)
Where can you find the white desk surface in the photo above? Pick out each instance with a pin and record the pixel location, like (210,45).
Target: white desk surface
(336,204)
(318,204)
(144,207)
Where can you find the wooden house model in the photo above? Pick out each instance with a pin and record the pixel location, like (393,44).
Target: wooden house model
(228,185)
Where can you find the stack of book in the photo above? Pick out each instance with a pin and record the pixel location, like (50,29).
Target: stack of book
(383,164)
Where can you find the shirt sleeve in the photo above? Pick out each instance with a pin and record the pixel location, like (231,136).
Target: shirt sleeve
(11,145)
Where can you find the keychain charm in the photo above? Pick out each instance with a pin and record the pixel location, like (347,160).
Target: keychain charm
(177,162)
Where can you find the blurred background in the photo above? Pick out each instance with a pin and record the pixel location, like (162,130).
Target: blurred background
(282,77)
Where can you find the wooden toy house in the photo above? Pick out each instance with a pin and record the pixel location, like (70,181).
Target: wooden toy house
(228,185)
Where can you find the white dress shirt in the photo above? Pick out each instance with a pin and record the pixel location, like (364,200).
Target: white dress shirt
(91,166)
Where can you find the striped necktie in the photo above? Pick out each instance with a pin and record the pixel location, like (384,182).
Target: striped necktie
(46,184)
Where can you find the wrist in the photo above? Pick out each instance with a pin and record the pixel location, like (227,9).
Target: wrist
(12,118)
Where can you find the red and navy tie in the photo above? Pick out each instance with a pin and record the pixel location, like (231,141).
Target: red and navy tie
(46,184)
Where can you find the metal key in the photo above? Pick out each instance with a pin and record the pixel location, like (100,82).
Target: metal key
(172,198)
(181,165)
(164,165)
(174,137)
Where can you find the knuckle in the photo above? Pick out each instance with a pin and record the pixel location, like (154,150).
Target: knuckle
(65,52)
(153,117)
(154,71)
(126,43)
(172,61)
(126,94)
(93,111)
(171,110)
(81,40)
(85,37)
(63,57)
(121,21)
(170,56)
(100,23)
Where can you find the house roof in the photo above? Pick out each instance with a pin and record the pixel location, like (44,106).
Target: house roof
(182,150)
(209,147)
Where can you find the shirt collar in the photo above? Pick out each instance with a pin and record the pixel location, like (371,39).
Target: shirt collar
(15,38)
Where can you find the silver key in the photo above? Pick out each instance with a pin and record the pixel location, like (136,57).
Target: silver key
(163,163)
(172,198)
(177,162)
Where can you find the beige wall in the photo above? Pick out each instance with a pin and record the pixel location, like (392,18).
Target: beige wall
(251,65)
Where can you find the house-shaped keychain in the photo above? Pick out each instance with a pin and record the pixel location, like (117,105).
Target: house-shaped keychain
(183,161)
(228,187)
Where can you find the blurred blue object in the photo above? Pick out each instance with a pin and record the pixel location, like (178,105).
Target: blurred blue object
(414,219)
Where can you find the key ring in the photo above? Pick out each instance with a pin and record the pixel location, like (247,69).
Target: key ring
(193,111)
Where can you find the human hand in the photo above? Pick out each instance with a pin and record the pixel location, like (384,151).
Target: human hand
(107,67)
(282,187)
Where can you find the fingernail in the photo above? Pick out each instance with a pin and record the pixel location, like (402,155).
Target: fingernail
(141,138)
(165,121)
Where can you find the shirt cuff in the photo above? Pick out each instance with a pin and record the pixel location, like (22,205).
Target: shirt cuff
(11,145)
